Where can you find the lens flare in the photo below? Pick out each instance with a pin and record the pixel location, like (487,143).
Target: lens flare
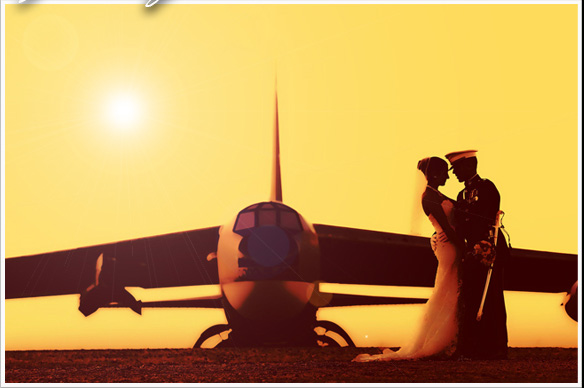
(123,111)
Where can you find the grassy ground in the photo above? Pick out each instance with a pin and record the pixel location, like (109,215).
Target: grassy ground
(280,365)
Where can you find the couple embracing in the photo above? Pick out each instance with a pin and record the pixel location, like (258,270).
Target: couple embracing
(464,244)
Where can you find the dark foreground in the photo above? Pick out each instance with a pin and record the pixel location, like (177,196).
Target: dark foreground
(281,365)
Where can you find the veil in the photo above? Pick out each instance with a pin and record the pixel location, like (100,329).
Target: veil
(418,218)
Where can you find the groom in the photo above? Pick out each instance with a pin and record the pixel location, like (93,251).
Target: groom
(477,207)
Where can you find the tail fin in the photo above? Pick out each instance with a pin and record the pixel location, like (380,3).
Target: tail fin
(276,175)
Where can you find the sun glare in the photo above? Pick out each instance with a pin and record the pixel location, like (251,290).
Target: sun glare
(123,111)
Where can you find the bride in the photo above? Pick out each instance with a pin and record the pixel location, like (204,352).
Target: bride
(437,333)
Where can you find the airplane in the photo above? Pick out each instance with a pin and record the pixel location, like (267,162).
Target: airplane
(269,265)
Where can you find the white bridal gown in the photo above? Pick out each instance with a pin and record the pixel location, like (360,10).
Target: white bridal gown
(438,330)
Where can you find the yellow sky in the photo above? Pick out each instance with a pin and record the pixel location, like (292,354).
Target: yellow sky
(365,91)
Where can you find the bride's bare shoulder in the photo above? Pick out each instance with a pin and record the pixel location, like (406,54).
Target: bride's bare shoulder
(432,195)
(431,201)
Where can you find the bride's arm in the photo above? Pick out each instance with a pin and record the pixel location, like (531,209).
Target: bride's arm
(432,204)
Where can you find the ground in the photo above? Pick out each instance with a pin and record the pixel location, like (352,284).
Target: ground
(280,365)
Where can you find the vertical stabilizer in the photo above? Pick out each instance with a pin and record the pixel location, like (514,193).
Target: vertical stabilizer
(276,175)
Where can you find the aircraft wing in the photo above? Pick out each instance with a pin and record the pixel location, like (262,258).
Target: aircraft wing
(170,260)
(342,300)
(357,256)
(348,256)
(205,296)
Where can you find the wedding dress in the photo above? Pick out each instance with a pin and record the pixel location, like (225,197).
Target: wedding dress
(437,333)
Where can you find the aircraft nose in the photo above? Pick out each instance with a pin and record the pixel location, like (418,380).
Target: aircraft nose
(268,246)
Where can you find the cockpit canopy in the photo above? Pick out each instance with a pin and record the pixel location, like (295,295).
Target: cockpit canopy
(267,214)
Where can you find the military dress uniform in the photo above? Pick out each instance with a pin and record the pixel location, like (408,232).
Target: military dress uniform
(477,206)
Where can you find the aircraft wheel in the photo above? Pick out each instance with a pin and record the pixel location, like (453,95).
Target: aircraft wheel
(213,337)
(571,303)
(329,334)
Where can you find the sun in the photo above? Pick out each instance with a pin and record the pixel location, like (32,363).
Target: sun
(123,111)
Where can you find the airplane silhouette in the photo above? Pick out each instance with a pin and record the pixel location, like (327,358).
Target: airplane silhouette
(268,264)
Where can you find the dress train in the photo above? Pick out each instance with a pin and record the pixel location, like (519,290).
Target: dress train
(437,332)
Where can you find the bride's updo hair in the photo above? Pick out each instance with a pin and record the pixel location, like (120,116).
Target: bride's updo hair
(432,166)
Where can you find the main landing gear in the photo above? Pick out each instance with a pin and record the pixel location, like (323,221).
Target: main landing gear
(324,334)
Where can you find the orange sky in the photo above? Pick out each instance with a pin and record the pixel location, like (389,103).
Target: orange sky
(364,91)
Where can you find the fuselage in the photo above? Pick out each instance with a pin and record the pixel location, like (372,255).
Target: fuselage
(268,263)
